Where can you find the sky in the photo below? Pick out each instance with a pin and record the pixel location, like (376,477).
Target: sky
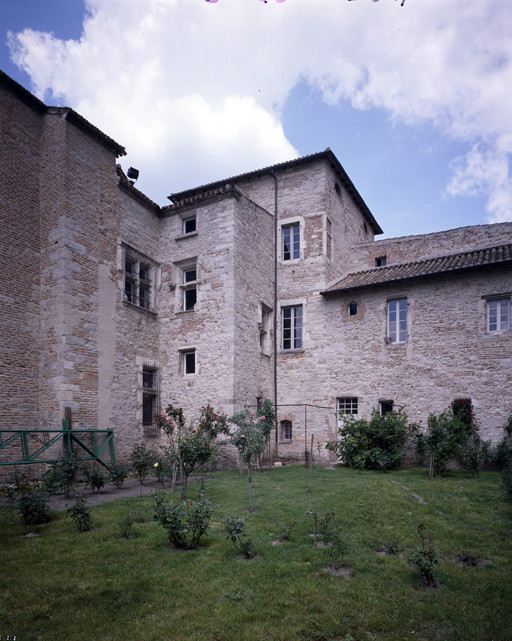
(414,100)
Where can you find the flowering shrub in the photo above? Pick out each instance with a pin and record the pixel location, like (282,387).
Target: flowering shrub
(250,439)
(117,475)
(185,522)
(376,444)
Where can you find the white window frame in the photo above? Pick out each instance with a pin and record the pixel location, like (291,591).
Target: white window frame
(396,321)
(184,353)
(185,221)
(295,249)
(139,283)
(186,284)
(295,328)
(498,315)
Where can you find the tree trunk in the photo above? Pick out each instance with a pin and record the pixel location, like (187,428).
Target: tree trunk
(249,476)
(184,480)
(310,462)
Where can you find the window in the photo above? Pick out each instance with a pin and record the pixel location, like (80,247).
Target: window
(397,321)
(149,400)
(264,327)
(386,407)
(286,431)
(498,315)
(380,261)
(139,274)
(348,405)
(189,361)
(291,241)
(189,225)
(187,274)
(352,309)
(328,230)
(292,327)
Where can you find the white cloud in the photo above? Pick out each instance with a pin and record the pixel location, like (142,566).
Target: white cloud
(195,90)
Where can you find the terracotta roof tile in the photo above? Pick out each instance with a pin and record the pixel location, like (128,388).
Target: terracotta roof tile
(421,268)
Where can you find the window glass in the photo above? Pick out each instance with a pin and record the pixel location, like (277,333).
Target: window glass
(291,241)
(189,225)
(498,315)
(286,430)
(189,362)
(292,327)
(397,321)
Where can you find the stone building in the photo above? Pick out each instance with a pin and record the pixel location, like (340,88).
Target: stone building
(114,306)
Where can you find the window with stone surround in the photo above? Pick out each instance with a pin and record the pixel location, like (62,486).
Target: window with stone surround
(264,325)
(286,431)
(348,405)
(188,361)
(290,236)
(291,327)
(150,400)
(381,261)
(187,285)
(189,224)
(139,279)
(498,315)
(386,407)
(396,321)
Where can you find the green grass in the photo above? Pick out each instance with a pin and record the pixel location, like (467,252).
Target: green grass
(94,585)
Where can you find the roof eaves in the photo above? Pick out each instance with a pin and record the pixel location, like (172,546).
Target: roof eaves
(81,123)
(22,94)
(326,154)
(132,191)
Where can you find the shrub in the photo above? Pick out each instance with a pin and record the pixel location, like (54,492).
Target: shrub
(125,525)
(185,522)
(33,507)
(142,460)
(425,558)
(506,476)
(286,529)
(62,475)
(376,444)
(471,455)
(234,530)
(80,513)
(95,478)
(503,452)
(29,497)
(337,548)
(117,475)
(326,527)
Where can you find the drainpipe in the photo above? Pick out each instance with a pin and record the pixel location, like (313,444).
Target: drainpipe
(275,310)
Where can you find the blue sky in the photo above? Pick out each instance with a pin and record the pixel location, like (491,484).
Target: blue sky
(414,100)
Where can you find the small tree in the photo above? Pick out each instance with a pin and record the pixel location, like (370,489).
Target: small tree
(250,439)
(141,459)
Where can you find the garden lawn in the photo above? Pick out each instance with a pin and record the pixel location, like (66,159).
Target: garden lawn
(65,585)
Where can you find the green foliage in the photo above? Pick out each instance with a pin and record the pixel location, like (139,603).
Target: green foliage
(327,526)
(286,529)
(376,444)
(185,522)
(506,476)
(95,478)
(80,513)
(425,559)
(118,474)
(250,436)
(212,423)
(468,558)
(142,460)
(234,530)
(29,497)
(61,476)
(125,525)
(338,544)
(268,421)
(471,455)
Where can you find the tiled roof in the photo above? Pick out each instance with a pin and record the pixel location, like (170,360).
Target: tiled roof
(327,154)
(421,268)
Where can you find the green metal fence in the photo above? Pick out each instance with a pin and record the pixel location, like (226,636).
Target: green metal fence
(33,443)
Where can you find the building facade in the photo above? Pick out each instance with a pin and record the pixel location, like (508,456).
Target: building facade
(268,284)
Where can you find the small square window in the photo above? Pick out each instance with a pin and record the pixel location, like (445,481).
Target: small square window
(380,261)
(189,225)
(386,407)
